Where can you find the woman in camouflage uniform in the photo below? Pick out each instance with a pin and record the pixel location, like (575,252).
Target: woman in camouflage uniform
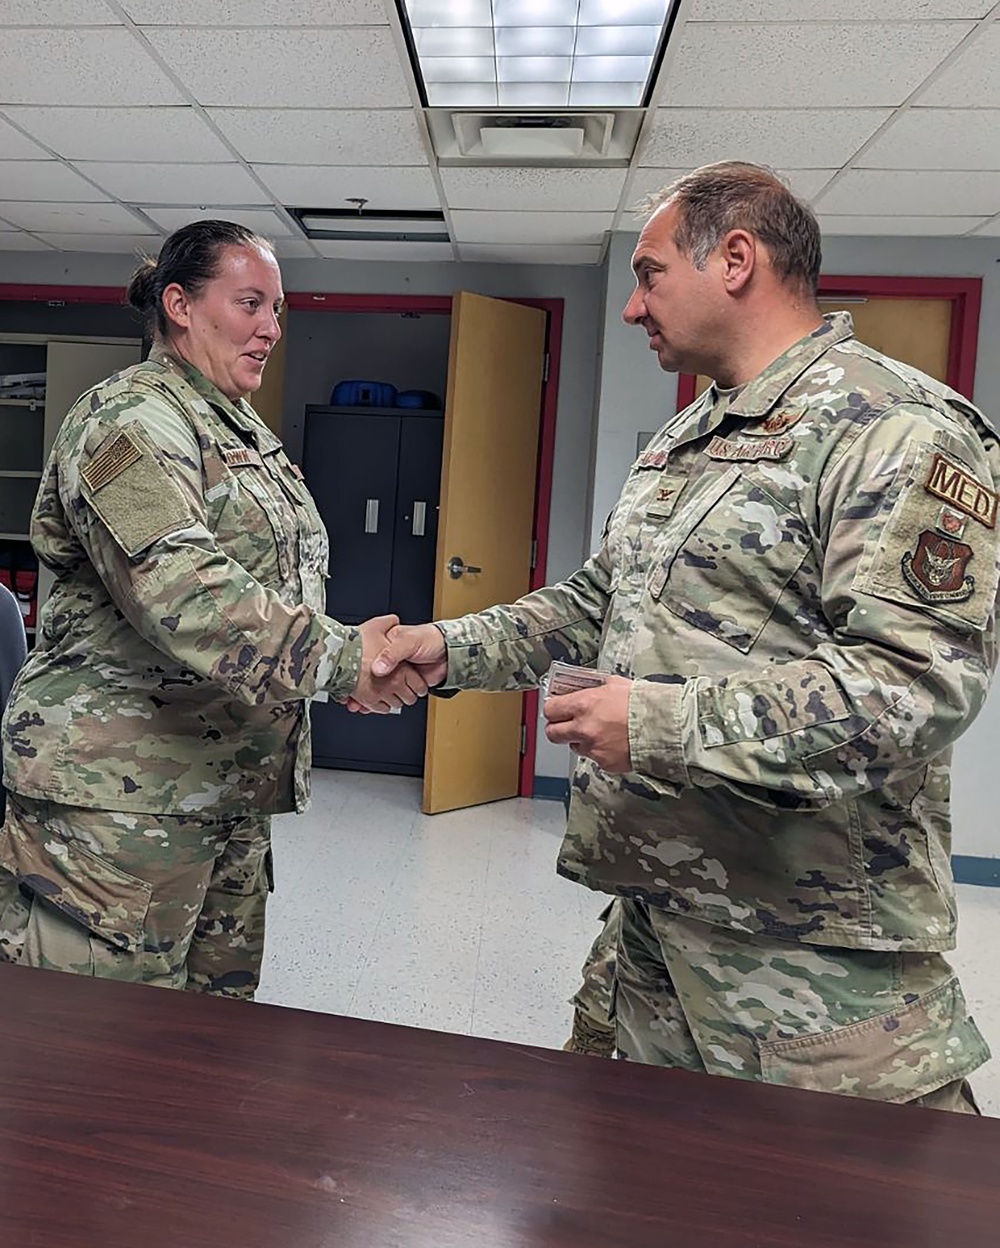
(162,718)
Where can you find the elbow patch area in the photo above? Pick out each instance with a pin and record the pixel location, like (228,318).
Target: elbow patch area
(132,495)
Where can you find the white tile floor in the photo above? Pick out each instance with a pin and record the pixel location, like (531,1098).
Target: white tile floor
(459,922)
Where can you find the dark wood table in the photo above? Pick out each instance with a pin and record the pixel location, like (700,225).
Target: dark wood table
(134,1117)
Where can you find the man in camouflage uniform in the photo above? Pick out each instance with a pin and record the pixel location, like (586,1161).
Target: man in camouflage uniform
(163,716)
(795,596)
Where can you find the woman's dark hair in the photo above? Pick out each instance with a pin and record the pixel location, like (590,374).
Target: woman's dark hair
(189,257)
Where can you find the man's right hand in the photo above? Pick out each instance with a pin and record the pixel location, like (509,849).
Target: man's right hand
(421,645)
(397,683)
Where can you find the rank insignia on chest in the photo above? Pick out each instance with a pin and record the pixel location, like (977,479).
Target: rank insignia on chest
(778,422)
(936,570)
(759,448)
(950,482)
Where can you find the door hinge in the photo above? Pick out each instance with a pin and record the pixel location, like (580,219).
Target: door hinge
(534,555)
(545,367)
(524,739)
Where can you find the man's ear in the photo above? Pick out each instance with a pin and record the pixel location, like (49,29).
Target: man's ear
(738,252)
(177,305)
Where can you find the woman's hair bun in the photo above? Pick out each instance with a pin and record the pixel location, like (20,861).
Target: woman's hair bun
(141,292)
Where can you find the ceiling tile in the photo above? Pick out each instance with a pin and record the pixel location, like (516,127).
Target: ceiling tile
(344,250)
(932,194)
(783,138)
(21,242)
(321,186)
(293,249)
(524,189)
(166,133)
(847,10)
(531,227)
(286,68)
(859,64)
(61,67)
(44,179)
(972,81)
(14,146)
(806,183)
(917,227)
(263,222)
(57,13)
(938,138)
(72,218)
(256,12)
(105,244)
(517,254)
(140,183)
(323,136)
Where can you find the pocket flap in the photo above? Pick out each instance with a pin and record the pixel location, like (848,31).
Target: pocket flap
(89,890)
(896,1056)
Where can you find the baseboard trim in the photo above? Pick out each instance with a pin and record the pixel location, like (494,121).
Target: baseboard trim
(971,869)
(551,788)
(967,868)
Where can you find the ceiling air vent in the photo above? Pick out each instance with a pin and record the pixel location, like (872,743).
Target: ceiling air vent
(534,138)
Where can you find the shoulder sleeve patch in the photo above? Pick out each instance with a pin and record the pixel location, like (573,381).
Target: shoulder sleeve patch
(110,461)
(953,484)
(939,546)
(133,494)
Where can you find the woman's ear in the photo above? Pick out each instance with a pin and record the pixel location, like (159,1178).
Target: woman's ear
(177,305)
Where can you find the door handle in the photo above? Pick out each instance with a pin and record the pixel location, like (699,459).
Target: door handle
(458,567)
(419,519)
(371,515)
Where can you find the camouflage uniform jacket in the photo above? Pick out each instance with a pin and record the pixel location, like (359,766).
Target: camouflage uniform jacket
(184,633)
(802,581)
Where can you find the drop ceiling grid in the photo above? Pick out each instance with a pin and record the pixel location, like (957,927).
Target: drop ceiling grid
(260,103)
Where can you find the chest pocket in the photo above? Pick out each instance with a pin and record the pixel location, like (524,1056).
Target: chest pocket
(731,553)
(253,520)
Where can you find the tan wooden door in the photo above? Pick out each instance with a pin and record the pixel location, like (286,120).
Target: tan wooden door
(916,331)
(492,415)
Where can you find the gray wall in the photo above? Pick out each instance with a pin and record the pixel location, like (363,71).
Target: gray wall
(579,287)
(635,395)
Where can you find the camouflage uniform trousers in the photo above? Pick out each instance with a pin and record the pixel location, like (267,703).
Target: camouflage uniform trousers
(170,900)
(593,1029)
(886,1026)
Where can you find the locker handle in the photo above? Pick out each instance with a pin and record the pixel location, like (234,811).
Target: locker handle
(419,519)
(371,515)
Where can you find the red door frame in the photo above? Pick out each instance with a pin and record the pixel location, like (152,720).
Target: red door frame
(440,304)
(317,301)
(964,293)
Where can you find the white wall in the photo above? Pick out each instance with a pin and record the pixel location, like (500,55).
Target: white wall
(580,288)
(635,395)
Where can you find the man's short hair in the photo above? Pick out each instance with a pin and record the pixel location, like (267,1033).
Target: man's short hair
(737,195)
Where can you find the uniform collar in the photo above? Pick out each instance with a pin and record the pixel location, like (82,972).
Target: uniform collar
(759,396)
(238,412)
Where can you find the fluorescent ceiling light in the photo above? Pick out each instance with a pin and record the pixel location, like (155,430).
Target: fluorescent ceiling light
(485,53)
(382,225)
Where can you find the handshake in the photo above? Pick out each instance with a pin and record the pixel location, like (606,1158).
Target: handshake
(399,664)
